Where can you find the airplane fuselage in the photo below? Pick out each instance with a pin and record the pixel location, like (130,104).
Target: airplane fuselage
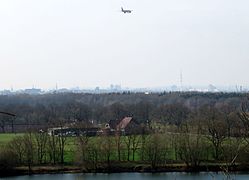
(125,11)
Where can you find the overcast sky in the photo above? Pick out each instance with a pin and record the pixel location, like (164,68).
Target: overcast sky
(90,43)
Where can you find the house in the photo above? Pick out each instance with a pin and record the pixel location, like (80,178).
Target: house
(128,126)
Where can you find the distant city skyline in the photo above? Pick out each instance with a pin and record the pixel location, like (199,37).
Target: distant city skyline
(177,84)
(119,88)
(92,43)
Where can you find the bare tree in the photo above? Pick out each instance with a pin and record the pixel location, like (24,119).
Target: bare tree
(94,152)
(28,150)
(244,117)
(217,130)
(144,137)
(107,149)
(17,147)
(83,144)
(119,144)
(135,140)
(128,142)
(155,150)
(6,117)
(62,140)
(52,148)
(41,139)
(191,145)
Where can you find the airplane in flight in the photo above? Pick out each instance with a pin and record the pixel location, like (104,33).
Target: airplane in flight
(125,10)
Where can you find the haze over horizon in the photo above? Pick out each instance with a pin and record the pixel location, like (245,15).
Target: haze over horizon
(92,43)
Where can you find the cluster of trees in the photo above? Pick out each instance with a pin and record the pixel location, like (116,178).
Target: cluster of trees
(188,145)
(167,108)
(34,149)
(206,135)
(186,128)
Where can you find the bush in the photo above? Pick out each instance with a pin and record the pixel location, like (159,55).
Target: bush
(8,160)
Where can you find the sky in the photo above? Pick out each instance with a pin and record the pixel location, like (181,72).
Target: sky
(89,43)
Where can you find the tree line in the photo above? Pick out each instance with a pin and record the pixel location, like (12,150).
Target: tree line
(35,111)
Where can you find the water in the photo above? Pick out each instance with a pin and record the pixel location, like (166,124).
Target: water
(135,176)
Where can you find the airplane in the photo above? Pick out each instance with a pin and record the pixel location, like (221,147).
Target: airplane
(125,10)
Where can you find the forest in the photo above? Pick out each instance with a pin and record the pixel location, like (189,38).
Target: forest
(189,130)
(166,108)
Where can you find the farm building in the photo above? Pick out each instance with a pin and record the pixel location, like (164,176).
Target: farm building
(72,131)
(126,126)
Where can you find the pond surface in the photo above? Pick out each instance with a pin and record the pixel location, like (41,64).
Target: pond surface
(135,176)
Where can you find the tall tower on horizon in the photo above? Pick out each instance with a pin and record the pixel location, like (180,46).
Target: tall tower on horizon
(181,88)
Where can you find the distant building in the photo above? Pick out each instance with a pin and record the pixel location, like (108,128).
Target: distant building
(73,131)
(5,92)
(32,91)
(63,90)
(126,126)
(115,87)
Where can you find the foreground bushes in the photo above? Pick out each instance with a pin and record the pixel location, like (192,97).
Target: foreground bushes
(186,146)
(8,160)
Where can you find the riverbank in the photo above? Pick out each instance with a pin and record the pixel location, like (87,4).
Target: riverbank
(122,168)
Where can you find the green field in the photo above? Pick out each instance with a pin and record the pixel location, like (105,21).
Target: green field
(7,137)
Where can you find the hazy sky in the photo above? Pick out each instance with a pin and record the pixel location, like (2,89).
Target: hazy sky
(90,43)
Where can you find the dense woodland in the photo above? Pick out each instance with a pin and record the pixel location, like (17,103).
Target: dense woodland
(190,128)
(167,108)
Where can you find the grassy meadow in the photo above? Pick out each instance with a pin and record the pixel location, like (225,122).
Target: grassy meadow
(7,137)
